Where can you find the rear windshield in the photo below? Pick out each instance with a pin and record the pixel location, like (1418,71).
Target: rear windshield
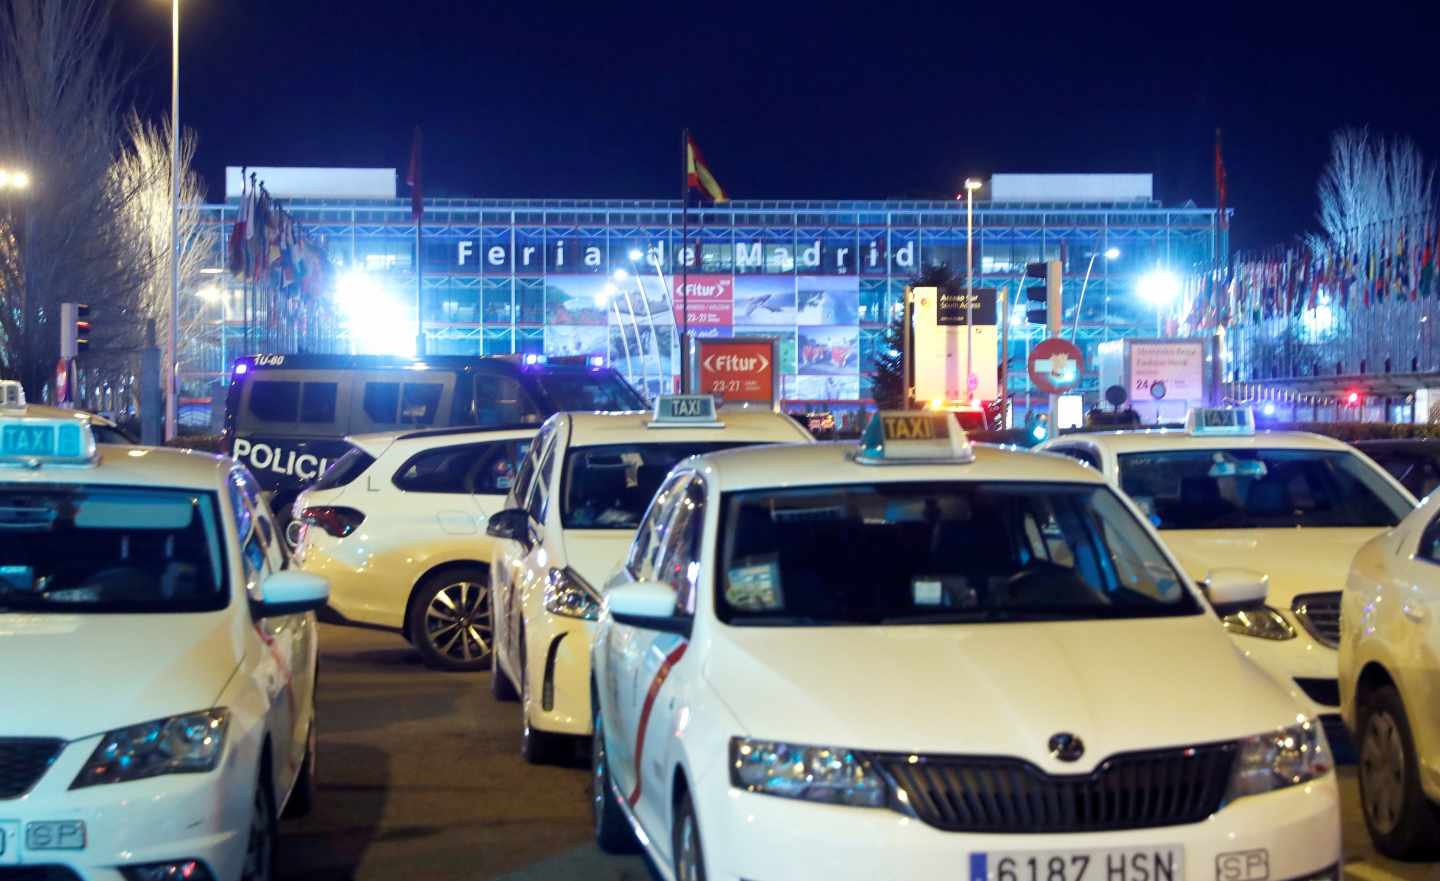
(1259,489)
(939,553)
(588,391)
(94,549)
(609,487)
(345,469)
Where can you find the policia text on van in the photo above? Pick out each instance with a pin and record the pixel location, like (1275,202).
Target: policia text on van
(287,416)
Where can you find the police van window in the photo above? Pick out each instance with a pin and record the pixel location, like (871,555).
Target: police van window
(485,469)
(317,401)
(419,402)
(381,400)
(501,400)
(274,401)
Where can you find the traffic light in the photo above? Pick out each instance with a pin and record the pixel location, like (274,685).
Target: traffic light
(74,329)
(1035,295)
(1043,303)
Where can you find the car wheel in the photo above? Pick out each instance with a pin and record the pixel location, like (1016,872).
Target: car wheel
(260,846)
(1402,822)
(689,855)
(302,798)
(612,830)
(450,620)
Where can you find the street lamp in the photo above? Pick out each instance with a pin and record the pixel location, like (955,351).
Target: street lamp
(661,373)
(1159,287)
(1110,254)
(971,185)
(14,179)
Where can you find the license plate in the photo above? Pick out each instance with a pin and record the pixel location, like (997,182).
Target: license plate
(55,835)
(9,843)
(1163,863)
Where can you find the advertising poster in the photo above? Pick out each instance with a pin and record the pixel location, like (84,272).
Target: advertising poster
(829,350)
(576,299)
(764,299)
(708,300)
(827,300)
(561,340)
(821,388)
(740,370)
(1167,378)
(784,343)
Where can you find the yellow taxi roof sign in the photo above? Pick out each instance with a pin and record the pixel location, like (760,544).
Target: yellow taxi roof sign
(915,436)
(1220,421)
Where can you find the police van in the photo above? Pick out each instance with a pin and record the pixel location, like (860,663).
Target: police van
(287,416)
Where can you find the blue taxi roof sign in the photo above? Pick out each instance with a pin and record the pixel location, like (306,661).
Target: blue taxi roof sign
(685,411)
(32,443)
(916,437)
(1220,421)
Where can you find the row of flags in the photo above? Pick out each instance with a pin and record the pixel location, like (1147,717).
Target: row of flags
(269,251)
(1400,262)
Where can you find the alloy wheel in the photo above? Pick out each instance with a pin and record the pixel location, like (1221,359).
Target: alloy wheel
(457,621)
(1382,772)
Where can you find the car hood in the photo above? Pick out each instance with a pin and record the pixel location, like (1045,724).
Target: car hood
(1298,561)
(996,689)
(78,675)
(596,553)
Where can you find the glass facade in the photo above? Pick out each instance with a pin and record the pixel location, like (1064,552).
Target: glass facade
(603,277)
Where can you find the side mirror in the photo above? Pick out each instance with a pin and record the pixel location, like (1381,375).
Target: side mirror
(291,592)
(648,606)
(511,523)
(1235,590)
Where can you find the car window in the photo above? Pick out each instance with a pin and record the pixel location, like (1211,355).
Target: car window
(610,486)
(344,470)
(1260,488)
(380,401)
(317,401)
(678,563)
(540,491)
(1429,549)
(274,400)
(484,469)
(650,536)
(588,390)
(502,400)
(419,402)
(1080,454)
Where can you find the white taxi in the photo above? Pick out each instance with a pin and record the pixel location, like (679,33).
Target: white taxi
(917,659)
(159,709)
(1389,671)
(572,514)
(397,526)
(1292,506)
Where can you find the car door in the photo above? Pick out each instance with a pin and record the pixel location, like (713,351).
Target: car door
(454,488)
(1414,599)
(507,555)
(534,566)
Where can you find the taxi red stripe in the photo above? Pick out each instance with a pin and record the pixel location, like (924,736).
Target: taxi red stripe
(660,676)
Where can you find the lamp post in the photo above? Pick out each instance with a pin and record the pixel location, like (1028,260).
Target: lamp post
(636,255)
(172,354)
(971,185)
(1110,254)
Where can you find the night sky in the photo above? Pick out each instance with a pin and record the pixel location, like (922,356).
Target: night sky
(796,100)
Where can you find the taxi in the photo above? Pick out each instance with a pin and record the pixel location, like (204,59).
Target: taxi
(1389,668)
(570,517)
(1292,506)
(922,658)
(161,711)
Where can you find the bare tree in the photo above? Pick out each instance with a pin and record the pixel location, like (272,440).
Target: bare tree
(60,99)
(1373,186)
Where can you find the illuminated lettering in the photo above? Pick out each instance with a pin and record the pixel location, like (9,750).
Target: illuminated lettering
(465,250)
(559,253)
(592,256)
(748,255)
(811,255)
(525,253)
(840,259)
(496,255)
(905,256)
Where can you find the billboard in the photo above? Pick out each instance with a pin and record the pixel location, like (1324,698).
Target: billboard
(939,353)
(707,300)
(827,300)
(833,351)
(737,369)
(764,299)
(576,299)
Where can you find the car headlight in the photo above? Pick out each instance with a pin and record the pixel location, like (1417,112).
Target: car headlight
(1286,757)
(814,773)
(1261,622)
(188,744)
(566,593)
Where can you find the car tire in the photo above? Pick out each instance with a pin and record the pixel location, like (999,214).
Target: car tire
(1403,824)
(688,855)
(260,846)
(501,688)
(449,621)
(302,797)
(612,829)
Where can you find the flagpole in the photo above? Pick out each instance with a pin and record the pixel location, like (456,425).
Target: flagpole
(419,306)
(684,263)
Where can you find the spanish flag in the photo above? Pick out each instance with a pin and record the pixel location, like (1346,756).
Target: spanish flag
(697,173)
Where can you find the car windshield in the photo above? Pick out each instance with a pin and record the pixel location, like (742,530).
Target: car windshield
(938,553)
(87,549)
(1259,488)
(609,487)
(588,391)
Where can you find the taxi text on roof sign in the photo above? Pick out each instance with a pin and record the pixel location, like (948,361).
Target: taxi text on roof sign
(685,411)
(914,436)
(1220,421)
(36,442)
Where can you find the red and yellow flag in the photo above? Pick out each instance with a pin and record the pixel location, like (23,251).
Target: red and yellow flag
(697,173)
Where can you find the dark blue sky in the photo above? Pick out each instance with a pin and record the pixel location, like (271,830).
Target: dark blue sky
(813,100)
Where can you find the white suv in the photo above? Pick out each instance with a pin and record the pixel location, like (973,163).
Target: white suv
(398,526)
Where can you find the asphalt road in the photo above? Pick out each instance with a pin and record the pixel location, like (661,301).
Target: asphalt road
(421,778)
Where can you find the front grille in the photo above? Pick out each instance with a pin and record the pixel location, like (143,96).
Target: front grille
(23,761)
(1002,795)
(37,873)
(1319,613)
(1322,691)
